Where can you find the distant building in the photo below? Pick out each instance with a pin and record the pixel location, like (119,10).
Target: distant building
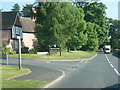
(13,25)
(10,25)
(28,32)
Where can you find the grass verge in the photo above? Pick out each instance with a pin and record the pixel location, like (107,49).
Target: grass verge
(9,71)
(65,55)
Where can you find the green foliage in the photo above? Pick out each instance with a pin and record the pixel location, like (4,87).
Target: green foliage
(23,50)
(114,33)
(27,10)
(117,52)
(16,7)
(6,50)
(80,37)
(56,23)
(32,51)
(81,26)
(92,43)
(95,13)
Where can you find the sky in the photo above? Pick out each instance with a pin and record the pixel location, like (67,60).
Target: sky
(111,11)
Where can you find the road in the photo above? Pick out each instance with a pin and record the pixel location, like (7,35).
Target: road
(99,72)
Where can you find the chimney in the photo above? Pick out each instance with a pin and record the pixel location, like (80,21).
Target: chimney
(34,11)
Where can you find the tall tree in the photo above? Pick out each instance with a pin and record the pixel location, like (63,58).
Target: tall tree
(92,43)
(27,10)
(56,23)
(95,13)
(114,33)
(80,37)
(16,7)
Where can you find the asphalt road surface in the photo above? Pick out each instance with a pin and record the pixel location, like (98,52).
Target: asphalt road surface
(99,72)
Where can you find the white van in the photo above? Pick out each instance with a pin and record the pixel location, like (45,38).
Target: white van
(107,49)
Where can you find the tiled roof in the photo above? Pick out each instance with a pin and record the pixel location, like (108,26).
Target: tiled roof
(8,19)
(27,24)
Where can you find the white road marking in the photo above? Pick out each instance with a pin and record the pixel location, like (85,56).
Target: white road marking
(117,72)
(112,65)
(55,81)
(81,61)
(48,62)
(85,61)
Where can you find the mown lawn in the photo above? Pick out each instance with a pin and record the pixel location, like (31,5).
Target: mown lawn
(65,55)
(9,72)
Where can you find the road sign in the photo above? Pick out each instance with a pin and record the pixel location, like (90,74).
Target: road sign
(54,48)
(17,31)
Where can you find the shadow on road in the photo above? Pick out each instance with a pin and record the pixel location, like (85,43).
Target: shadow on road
(116,56)
(113,87)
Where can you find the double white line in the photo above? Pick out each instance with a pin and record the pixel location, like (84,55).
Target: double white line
(112,66)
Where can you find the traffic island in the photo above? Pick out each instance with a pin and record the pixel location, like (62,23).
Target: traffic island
(9,72)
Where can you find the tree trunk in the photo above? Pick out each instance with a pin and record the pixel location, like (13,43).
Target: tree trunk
(68,49)
(75,49)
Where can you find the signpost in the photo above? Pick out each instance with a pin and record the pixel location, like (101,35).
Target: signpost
(18,34)
(19,48)
(7,58)
(54,48)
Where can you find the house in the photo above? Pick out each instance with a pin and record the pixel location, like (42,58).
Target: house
(29,39)
(13,25)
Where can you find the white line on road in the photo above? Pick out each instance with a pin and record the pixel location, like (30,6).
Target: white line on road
(55,81)
(81,61)
(85,61)
(112,65)
(117,72)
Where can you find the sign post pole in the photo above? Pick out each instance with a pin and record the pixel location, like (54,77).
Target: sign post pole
(19,55)
(60,50)
(7,58)
(49,50)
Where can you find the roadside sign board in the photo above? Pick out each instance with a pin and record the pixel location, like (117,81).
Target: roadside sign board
(54,48)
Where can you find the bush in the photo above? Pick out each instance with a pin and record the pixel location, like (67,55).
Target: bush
(117,52)
(32,51)
(23,50)
(12,52)
(6,50)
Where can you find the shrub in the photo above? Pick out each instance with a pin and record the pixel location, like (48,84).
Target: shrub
(117,52)
(32,51)
(12,52)
(6,50)
(23,50)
